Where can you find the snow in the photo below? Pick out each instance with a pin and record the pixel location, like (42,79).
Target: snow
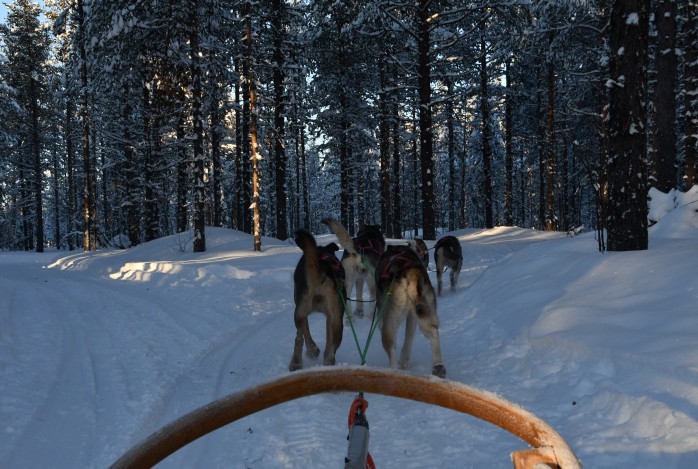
(98,350)
(633,18)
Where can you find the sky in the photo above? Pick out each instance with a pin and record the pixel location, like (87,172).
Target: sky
(98,350)
(3,8)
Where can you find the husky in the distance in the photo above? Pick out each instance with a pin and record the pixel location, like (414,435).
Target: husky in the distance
(360,257)
(405,293)
(318,286)
(448,253)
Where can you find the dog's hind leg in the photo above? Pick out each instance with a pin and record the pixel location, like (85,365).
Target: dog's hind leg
(429,325)
(439,273)
(300,318)
(388,332)
(455,272)
(392,317)
(334,328)
(410,327)
(311,349)
(297,357)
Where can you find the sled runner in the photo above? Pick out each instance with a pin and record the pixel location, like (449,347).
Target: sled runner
(548,448)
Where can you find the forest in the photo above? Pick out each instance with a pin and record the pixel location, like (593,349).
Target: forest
(125,121)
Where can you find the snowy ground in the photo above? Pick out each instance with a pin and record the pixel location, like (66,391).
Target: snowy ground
(98,350)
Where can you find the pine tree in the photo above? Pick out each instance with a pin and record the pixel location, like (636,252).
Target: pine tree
(27,44)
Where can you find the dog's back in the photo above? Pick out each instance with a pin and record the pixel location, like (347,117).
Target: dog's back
(450,248)
(395,262)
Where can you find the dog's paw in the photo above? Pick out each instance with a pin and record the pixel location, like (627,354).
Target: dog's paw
(312,352)
(329,361)
(439,370)
(295,365)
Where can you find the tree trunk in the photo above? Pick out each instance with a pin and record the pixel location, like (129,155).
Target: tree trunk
(486,150)
(197,120)
(396,219)
(37,181)
(279,124)
(56,191)
(602,179)
(89,202)
(541,154)
(425,120)
(450,128)
(384,153)
(691,96)
(133,212)
(551,144)
(150,149)
(72,205)
(627,165)
(182,171)
(508,152)
(217,189)
(253,129)
(237,211)
(665,97)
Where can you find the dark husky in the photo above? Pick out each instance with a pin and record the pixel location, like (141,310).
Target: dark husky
(448,253)
(360,257)
(318,286)
(404,292)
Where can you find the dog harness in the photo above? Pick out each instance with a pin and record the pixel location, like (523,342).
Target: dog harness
(367,245)
(403,259)
(336,266)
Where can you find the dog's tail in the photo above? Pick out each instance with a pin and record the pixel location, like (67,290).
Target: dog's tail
(308,245)
(419,293)
(343,235)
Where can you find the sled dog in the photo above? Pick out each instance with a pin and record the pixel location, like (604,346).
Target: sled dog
(448,253)
(318,287)
(360,257)
(405,293)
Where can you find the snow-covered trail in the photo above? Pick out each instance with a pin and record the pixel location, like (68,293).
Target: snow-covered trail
(109,349)
(98,350)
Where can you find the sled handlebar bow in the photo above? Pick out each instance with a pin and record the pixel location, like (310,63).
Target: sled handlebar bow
(547,445)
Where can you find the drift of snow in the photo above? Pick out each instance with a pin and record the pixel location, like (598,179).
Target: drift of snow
(100,349)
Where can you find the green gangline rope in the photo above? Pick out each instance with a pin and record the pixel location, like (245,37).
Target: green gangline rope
(374,324)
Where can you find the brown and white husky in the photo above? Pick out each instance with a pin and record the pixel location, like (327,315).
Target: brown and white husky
(405,293)
(318,287)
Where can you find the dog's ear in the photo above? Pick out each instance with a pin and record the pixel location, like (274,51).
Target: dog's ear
(332,247)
